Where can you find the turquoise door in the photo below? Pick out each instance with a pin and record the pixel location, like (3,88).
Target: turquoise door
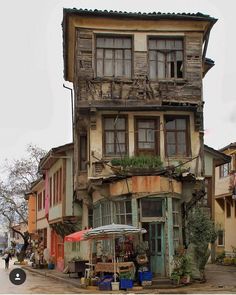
(156,242)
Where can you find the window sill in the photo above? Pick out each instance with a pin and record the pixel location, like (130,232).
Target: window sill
(177,81)
(178,157)
(113,79)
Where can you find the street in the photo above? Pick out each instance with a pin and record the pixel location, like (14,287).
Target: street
(34,283)
(220,280)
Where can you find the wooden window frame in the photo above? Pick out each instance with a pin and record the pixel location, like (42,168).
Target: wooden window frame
(179,38)
(187,136)
(120,36)
(156,120)
(116,154)
(57,186)
(224,168)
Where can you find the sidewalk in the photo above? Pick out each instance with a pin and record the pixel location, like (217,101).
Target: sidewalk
(220,279)
(52,273)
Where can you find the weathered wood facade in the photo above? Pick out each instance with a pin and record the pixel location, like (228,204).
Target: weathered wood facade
(154,79)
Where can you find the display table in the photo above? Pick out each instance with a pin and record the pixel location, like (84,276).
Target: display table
(120,267)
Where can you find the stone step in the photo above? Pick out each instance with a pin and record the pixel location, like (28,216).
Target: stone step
(161,283)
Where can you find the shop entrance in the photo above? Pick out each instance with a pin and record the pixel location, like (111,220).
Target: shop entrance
(156,242)
(155,238)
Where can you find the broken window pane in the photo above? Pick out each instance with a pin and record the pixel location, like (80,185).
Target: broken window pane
(169,58)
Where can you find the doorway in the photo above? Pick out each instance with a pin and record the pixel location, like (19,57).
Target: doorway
(155,238)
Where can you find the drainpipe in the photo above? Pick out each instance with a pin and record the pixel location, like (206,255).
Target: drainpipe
(72,109)
(72,127)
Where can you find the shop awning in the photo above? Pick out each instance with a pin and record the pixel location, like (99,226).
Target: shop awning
(76,237)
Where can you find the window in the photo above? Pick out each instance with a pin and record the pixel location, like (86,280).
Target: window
(83,153)
(151,207)
(228,209)
(57,187)
(146,136)
(176,136)
(106,213)
(165,58)
(113,56)
(59,184)
(224,170)
(102,214)
(54,189)
(97,218)
(115,136)
(90,218)
(176,217)
(73,248)
(43,200)
(123,211)
(50,191)
(220,238)
(40,201)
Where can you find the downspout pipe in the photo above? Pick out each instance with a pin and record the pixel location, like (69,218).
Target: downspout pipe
(72,109)
(72,127)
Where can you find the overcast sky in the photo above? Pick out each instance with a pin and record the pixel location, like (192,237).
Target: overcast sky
(35,108)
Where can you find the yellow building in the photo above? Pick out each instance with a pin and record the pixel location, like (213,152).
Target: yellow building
(225,202)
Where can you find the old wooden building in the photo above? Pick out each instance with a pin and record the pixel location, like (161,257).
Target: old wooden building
(138,119)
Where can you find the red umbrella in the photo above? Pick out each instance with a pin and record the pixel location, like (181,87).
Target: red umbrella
(76,237)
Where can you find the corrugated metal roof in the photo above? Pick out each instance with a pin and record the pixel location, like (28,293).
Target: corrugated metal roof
(143,15)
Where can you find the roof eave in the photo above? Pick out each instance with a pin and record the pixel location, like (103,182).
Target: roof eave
(47,160)
(219,157)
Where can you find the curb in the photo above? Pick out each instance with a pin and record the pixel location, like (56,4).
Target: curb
(46,274)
